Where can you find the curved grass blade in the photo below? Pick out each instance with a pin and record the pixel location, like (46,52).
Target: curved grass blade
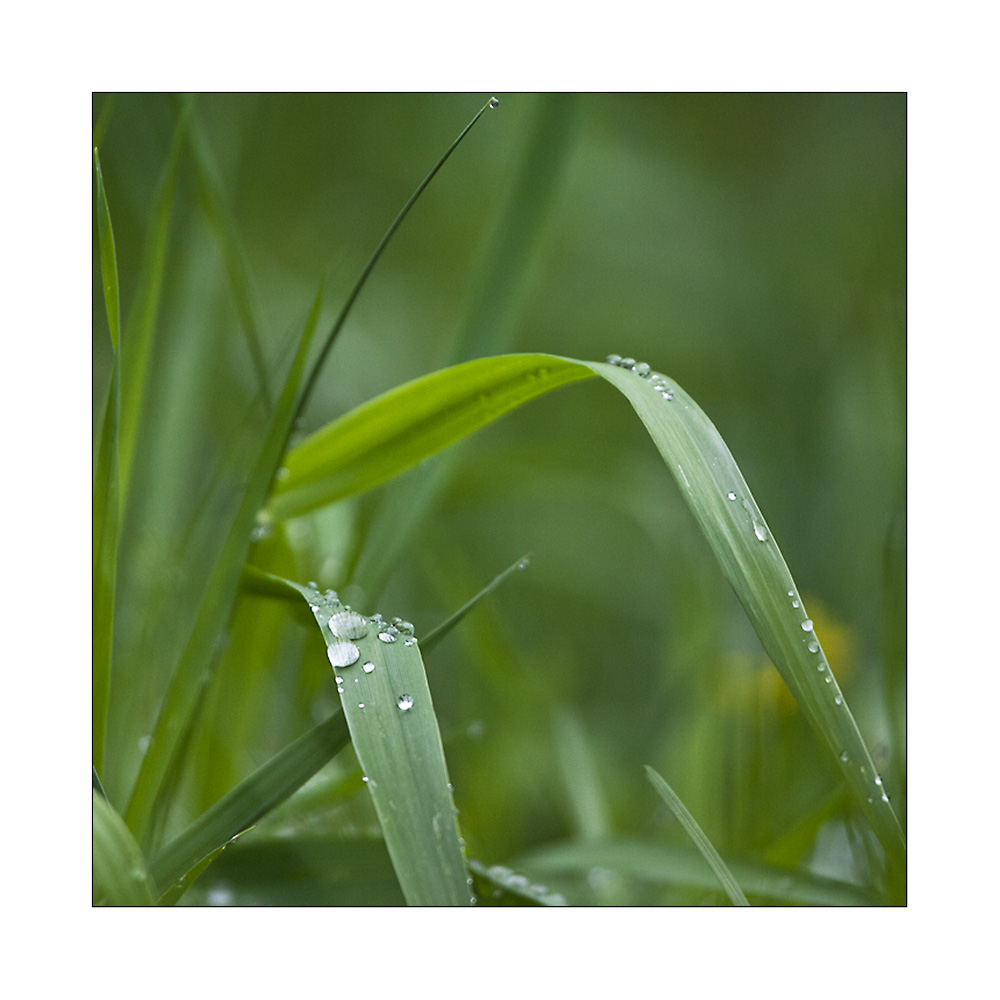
(383,689)
(393,432)
(704,845)
(685,868)
(253,798)
(499,885)
(187,683)
(106,512)
(120,875)
(400,428)
(373,260)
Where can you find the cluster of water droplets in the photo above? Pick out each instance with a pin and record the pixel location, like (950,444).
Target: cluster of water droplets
(756,518)
(659,383)
(347,627)
(506,880)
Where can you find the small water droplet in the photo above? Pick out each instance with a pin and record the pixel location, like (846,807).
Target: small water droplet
(795,604)
(813,646)
(838,700)
(627,362)
(760,531)
(878,780)
(312,585)
(642,369)
(405,703)
(731,495)
(405,627)
(613,359)
(791,593)
(364,778)
(348,625)
(493,102)
(361,705)
(821,667)
(411,641)
(342,654)
(828,679)
(807,625)
(885,798)
(843,756)
(368,667)
(387,636)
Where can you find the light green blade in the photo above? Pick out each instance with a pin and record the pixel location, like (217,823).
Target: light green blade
(120,875)
(400,428)
(106,507)
(695,832)
(395,431)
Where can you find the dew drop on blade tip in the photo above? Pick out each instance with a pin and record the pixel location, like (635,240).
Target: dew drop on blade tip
(493,102)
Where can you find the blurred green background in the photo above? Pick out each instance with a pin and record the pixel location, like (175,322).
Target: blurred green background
(750,246)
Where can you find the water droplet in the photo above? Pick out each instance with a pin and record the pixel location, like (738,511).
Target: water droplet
(878,780)
(657,381)
(348,625)
(364,778)
(312,585)
(403,626)
(493,102)
(342,654)
(368,667)
(885,798)
(838,700)
(821,667)
(795,604)
(828,679)
(843,756)
(387,636)
(613,359)
(627,362)
(641,369)
(411,641)
(339,680)
(791,593)
(807,625)
(813,646)
(667,394)
(361,705)
(760,531)
(282,474)
(405,703)
(731,495)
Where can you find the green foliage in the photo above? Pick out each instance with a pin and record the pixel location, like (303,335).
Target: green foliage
(233,464)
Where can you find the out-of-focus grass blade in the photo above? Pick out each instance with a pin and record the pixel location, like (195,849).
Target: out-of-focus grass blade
(685,868)
(235,812)
(398,429)
(186,684)
(109,264)
(216,208)
(106,511)
(383,689)
(437,634)
(499,885)
(704,845)
(120,875)
(141,323)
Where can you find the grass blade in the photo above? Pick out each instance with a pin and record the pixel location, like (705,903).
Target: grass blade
(187,683)
(437,634)
(400,428)
(396,430)
(684,867)
(704,845)
(394,730)
(266,788)
(120,875)
(106,513)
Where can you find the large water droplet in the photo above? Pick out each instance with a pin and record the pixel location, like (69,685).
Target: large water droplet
(404,703)
(641,369)
(342,654)
(493,102)
(348,625)
(807,625)
(613,359)
(387,636)
(627,362)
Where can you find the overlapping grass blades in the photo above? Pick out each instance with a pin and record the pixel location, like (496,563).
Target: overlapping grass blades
(186,685)
(405,425)
(120,875)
